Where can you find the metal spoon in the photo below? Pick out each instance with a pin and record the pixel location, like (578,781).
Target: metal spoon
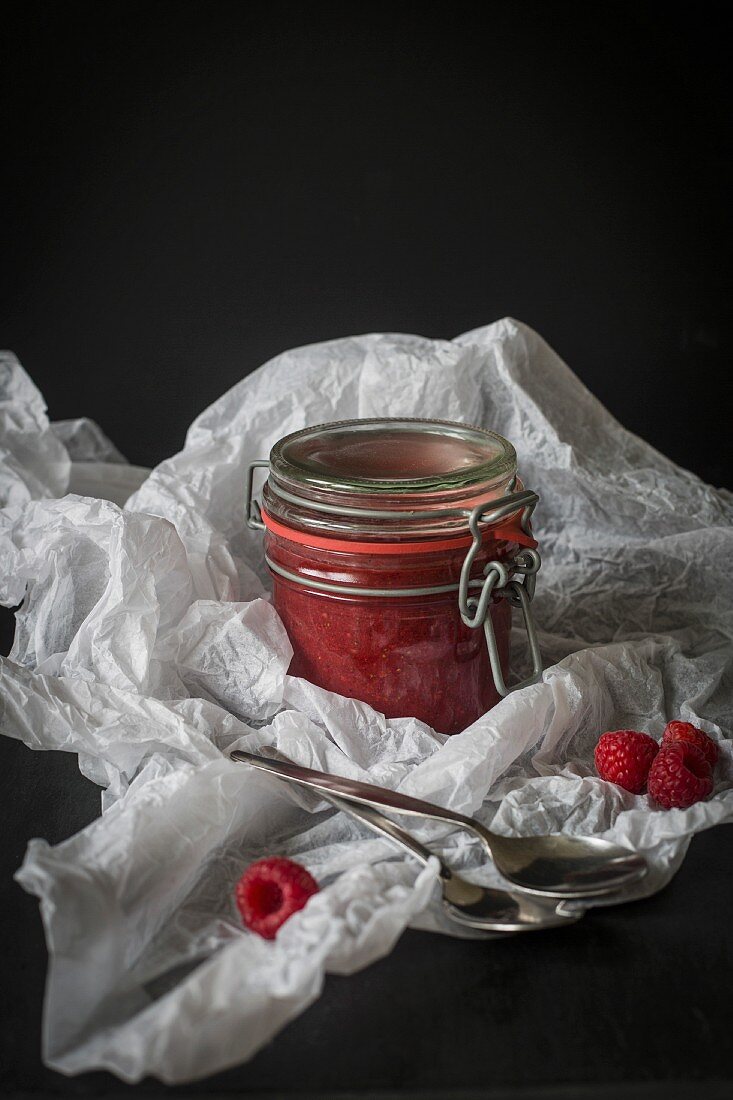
(475,906)
(559,866)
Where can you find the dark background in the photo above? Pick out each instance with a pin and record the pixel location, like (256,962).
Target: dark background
(190,188)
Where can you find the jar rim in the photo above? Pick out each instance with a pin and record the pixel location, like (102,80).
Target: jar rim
(303,456)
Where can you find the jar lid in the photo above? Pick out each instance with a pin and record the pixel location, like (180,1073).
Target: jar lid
(389,455)
(387,475)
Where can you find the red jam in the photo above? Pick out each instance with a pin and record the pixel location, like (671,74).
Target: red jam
(364,520)
(403,655)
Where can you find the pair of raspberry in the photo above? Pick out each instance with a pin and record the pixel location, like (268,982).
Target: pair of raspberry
(676,773)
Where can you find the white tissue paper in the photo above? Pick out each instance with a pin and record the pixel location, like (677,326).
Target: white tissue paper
(147,645)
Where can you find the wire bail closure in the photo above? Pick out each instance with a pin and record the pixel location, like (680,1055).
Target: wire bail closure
(252,511)
(513,580)
(501,583)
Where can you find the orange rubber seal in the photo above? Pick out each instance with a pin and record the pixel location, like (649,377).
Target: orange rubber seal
(510,530)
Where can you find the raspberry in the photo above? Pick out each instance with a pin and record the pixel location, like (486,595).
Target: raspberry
(270,891)
(624,757)
(679,776)
(691,735)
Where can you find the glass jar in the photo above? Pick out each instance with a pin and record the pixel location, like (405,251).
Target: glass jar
(391,544)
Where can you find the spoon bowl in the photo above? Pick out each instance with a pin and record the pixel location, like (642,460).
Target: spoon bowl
(563,866)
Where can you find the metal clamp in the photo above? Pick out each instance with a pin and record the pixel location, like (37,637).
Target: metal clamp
(252,511)
(500,583)
(519,593)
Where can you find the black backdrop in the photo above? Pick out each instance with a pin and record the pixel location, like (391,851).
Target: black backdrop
(190,188)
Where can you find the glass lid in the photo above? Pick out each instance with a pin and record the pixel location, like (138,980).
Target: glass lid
(392,456)
(386,478)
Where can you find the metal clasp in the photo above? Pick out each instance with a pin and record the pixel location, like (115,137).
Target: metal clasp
(501,581)
(252,511)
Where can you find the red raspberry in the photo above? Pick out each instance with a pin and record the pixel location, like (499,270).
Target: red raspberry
(624,757)
(691,735)
(270,891)
(679,776)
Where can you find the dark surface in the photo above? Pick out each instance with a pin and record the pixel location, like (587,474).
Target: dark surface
(640,993)
(190,188)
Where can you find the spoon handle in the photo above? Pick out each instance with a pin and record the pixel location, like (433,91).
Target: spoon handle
(366,793)
(381,824)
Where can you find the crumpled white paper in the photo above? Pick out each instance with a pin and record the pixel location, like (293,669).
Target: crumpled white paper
(147,645)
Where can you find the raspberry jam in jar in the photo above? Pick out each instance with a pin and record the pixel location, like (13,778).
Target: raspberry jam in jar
(397,549)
